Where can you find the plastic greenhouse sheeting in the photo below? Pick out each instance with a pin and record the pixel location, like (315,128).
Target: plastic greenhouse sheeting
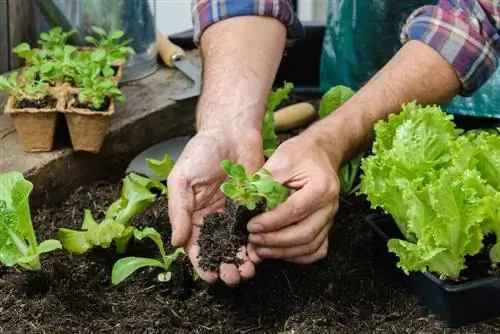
(361,36)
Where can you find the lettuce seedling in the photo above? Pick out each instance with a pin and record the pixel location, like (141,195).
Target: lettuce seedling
(54,38)
(125,267)
(33,57)
(138,193)
(28,89)
(62,66)
(110,43)
(249,189)
(269,138)
(18,243)
(96,90)
(331,101)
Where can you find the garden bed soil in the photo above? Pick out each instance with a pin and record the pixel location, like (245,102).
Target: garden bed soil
(344,293)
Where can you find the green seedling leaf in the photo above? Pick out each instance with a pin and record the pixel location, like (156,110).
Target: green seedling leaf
(226,166)
(161,168)
(117,34)
(165,277)
(75,242)
(333,99)
(249,189)
(238,172)
(125,267)
(229,189)
(275,98)
(18,243)
(99,31)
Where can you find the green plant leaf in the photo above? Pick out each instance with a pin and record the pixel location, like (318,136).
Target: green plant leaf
(161,168)
(117,34)
(48,246)
(165,276)
(75,242)
(333,99)
(226,165)
(238,172)
(125,267)
(99,31)
(229,190)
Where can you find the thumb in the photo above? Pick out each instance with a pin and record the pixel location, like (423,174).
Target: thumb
(180,209)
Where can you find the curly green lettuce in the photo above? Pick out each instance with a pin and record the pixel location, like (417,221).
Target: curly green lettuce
(440,186)
(18,242)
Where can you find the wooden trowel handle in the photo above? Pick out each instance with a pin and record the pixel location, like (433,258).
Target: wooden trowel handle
(293,116)
(167,50)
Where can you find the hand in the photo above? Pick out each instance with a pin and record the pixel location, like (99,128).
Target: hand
(194,191)
(297,230)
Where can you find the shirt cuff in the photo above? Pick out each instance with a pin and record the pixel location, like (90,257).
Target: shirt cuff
(464,33)
(207,12)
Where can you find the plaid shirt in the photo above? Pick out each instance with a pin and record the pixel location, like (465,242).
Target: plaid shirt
(465,32)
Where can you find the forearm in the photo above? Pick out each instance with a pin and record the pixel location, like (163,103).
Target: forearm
(416,72)
(241,56)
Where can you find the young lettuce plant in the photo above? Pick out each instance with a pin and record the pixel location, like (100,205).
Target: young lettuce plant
(96,90)
(110,43)
(432,180)
(127,266)
(249,189)
(138,193)
(27,89)
(331,101)
(54,38)
(18,243)
(268,132)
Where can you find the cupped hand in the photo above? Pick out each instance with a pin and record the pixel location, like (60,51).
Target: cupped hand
(194,192)
(297,230)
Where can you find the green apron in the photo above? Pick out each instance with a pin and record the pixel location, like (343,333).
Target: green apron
(362,36)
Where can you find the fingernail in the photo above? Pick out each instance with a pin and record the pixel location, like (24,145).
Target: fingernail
(254,228)
(255,238)
(263,251)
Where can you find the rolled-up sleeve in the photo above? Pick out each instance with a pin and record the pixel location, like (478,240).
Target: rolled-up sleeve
(465,33)
(208,12)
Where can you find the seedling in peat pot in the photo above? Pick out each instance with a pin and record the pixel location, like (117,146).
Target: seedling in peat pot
(18,244)
(96,93)
(110,42)
(28,92)
(125,267)
(55,38)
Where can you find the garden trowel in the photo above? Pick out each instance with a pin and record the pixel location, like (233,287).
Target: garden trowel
(174,57)
(285,119)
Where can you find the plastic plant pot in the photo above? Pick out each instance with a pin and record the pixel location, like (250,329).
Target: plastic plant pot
(457,304)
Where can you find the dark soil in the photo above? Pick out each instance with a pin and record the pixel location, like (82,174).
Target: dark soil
(344,293)
(347,292)
(90,106)
(45,102)
(223,234)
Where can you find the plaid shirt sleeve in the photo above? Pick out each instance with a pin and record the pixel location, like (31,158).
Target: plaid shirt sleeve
(465,32)
(208,12)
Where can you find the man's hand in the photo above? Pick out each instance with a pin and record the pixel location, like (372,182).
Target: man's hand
(297,230)
(194,192)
